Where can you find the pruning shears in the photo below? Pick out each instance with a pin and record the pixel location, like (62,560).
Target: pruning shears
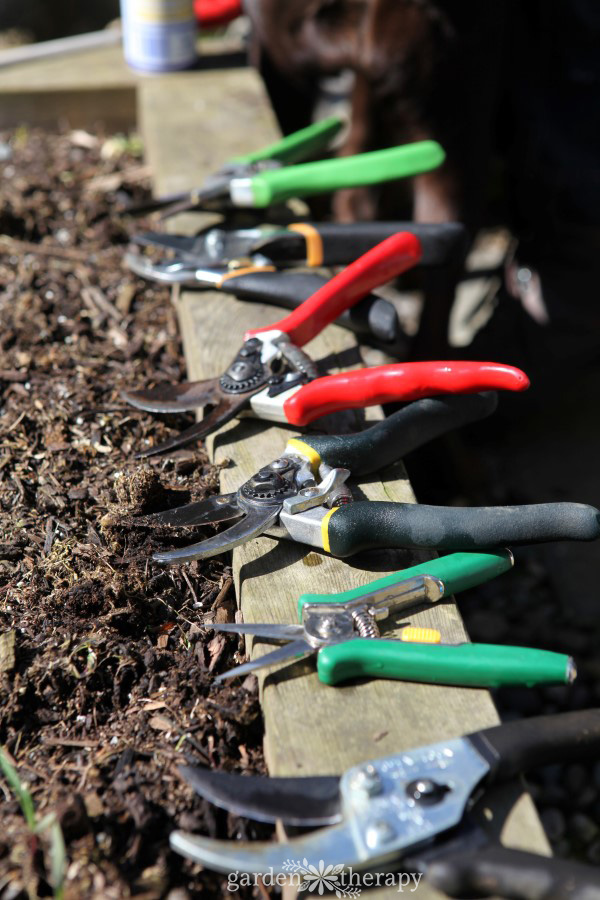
(273,377)
(269,176)
(419,809)
(303,496)
(342,630)
(298,244)
(248,262)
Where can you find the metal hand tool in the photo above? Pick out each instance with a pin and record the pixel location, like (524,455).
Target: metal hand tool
(294,148)
(270,181)
(300,243)
(273,377)
(303,496)
(416,809)
(342,630)
(244,262)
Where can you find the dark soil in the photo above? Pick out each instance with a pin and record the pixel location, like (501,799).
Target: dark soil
(105,671)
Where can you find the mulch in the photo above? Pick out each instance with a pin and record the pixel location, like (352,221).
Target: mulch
(105,672)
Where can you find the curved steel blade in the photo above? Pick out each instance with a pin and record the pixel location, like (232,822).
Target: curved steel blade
(180,243)
(254,523)
(295,649)
(174,397)
(309,802)
(222,413)
(270,632)
(201,512)
(171,272)
(332,846)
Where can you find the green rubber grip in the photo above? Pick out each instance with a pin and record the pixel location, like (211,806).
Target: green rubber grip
(298,146)
(347,172)
(471,665)
(457,571)
(402,432)
(368,525)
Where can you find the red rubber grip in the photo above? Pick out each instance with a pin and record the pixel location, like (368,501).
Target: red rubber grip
(398,382)
(377,266)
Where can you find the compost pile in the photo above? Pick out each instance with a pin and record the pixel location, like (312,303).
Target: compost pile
(105,671)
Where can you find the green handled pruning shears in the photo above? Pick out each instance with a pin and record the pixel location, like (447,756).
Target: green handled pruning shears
(341,628)
(271,175)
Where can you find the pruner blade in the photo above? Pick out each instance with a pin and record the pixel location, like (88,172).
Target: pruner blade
(170,272)
(174,397)
(255,522)
(333,846)
(297,648)
(309,802)
(223,412)
(200,512)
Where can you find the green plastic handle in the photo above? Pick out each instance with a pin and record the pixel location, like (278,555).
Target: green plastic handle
(351,171)
(457,571)
(470,665)
(297,146)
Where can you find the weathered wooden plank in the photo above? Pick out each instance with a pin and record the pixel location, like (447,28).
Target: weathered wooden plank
(95,88)
(311,728)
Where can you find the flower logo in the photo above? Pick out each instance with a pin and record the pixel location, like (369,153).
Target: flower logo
(317,879)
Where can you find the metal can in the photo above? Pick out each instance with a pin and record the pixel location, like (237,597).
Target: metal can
(159,35)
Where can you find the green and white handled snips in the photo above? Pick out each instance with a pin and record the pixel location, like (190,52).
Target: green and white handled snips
(342,630)
(279,171)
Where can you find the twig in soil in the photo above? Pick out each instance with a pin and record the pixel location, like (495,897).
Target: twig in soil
(97,302)
(14,245)
(190,585)
(222,593)
(112,182)
(65,742)
(15,424)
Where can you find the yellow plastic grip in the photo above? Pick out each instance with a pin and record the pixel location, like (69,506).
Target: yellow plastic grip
(325,529)
(295,445)
(414,635)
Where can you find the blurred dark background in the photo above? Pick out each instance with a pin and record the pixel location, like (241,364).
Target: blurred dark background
(41,20)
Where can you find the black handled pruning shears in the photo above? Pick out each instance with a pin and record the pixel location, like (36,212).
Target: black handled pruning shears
(414,809)
(302,496)
(298,244)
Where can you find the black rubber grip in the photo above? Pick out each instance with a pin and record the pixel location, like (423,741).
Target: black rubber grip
(372,316)
(402,432)
(441,244)
(544,740)
(369,525)
(497,871)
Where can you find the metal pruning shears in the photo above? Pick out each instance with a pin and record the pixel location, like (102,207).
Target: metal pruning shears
(303,496)
(268,176)
(417,809)
(247,263)
(342,630)
(199,260)
(279,382)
